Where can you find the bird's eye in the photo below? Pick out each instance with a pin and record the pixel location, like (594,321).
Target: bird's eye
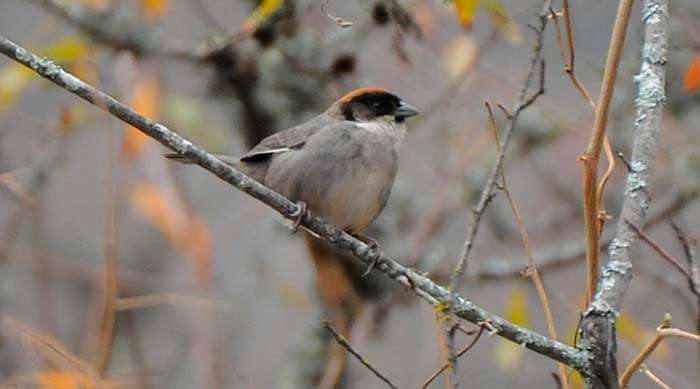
(376,105)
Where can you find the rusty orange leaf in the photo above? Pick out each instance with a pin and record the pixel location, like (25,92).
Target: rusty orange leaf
(154,9)
(186,232)
(64,380)
(691,79)
(145,99)
(158,208)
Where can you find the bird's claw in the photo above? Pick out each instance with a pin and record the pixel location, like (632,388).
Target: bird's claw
(298,216)
(373,250)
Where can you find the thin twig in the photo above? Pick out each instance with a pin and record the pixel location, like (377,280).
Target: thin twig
(488,191)
(344,342)
(532,268)
(691,259)
(660,250)
(653,377)
(110,287)
(661,334)
(339,21)
(423,286)
(461,352)
(590,158)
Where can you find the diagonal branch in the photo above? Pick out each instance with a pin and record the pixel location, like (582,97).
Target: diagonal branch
(346,345)
(434,294)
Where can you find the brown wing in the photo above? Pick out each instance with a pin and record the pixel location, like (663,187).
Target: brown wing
(291,139)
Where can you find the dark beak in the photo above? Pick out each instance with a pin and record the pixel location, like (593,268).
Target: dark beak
(404,111)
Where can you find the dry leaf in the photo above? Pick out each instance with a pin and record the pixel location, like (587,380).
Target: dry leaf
(154,9)
(466,9)
(691,80)
(64,380)
(145,99)
(187,233)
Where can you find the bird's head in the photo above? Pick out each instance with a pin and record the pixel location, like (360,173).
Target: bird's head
(372,104)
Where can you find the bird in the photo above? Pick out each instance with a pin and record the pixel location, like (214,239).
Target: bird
(340,165)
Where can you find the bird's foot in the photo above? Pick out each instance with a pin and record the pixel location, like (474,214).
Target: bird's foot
(298,216)
(374,252)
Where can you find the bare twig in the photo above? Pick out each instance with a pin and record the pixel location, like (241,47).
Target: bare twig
(339,21)
(597,325)
(662,333)
(177,300)
(653,377)
(567,253)
(488,191)
(433,293)
(660,250)
(110,287)
(461,352)
(689,250)
(590,158)
(446,344)
(532,268)
(344,342)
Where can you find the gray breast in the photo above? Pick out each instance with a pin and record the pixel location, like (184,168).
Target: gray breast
(345,176)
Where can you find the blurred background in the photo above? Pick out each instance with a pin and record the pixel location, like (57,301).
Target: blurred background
(116,263)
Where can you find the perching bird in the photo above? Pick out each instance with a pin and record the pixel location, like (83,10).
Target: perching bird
(340,164)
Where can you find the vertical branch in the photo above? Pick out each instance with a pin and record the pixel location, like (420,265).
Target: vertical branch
(111,265)
(591,156)
(598,323)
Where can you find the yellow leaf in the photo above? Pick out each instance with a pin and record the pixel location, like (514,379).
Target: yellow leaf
(503,21)
(631,331)
(154,9)
(691,79)
(14,78)
(516,310)
(508,354)
(145,99)
(68,49)
(261,13)
(466,9)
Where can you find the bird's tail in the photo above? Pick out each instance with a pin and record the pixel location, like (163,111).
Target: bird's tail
(340,300)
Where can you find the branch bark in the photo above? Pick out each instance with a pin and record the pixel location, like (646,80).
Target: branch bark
(436,295)
(598,323)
